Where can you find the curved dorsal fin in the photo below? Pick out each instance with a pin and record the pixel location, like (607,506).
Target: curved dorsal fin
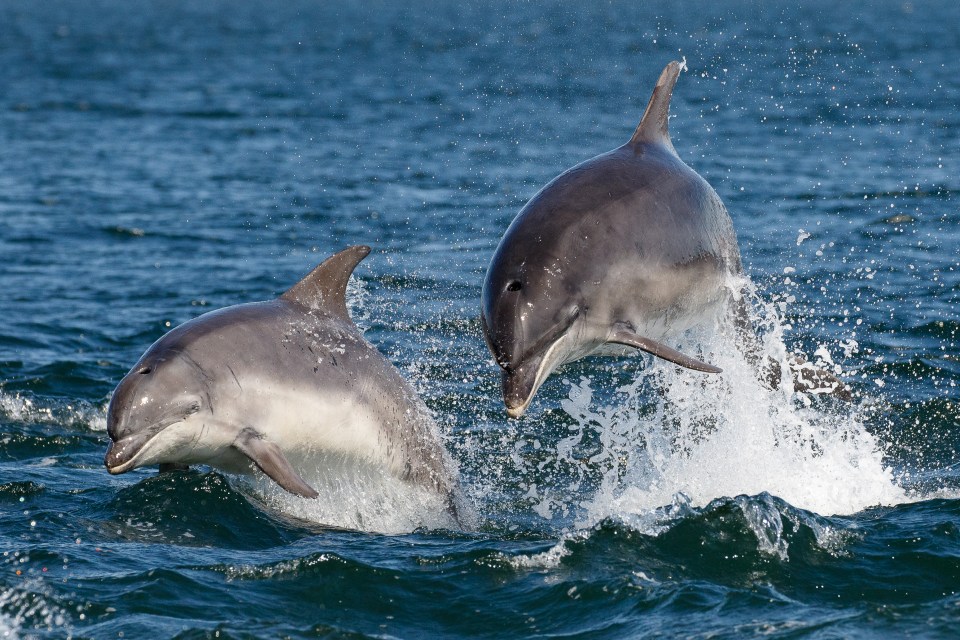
(653,125)
(326,286)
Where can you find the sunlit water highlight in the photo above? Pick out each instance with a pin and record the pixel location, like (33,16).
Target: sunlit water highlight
(159,161)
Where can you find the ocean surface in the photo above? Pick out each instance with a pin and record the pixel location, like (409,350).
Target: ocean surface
(162,159)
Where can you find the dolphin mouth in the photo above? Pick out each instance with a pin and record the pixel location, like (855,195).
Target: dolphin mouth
(520,383)
(122,455)
(518,391)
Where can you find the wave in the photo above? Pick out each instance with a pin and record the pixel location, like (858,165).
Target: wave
(74,414)
(719,541)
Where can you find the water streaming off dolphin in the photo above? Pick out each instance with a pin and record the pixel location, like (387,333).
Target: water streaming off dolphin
(162,161)
(288,387)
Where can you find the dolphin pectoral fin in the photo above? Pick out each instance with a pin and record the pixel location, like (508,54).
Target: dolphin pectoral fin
(269,459)
(660,350)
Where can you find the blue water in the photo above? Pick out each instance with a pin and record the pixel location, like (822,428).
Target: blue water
(159,160)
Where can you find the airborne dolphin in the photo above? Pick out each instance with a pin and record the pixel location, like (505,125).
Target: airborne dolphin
(619,253)
(282,386)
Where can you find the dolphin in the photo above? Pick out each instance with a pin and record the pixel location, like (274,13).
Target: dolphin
(282,386)
(620,253)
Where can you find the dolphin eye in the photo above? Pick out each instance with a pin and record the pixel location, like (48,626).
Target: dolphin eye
(514,285)
(144,370)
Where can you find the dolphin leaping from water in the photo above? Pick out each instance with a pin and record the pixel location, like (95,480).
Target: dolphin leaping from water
(282,386)
(620,253)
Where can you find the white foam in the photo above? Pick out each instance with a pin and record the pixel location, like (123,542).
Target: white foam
(675,432)
(7,624)
(359,496)
(20,408)
(549,559)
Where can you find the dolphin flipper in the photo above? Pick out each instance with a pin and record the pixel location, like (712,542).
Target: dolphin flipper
(269,459)
(655,348)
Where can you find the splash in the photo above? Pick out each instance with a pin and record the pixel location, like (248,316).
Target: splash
(28,606)
(358,296)
(359,496)
(76,414)
(549,559)
(671,432)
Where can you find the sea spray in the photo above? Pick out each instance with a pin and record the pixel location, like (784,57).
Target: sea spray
(670,432)
(29,604)
(359,496)
(713,436)
(18,407)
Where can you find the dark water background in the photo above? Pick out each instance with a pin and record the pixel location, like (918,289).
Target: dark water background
(158,160)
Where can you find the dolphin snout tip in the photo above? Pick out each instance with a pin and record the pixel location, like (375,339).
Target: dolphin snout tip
(516,412)
(117,459)
(110,463)
(519,387)
(516,406)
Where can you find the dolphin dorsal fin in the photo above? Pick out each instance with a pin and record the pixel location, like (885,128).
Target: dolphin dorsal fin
(326,286)
(653,126)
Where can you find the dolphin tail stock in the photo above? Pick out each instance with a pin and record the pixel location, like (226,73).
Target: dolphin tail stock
(653,127)
(326,286)
(661,350)
(807,378)
(269,459)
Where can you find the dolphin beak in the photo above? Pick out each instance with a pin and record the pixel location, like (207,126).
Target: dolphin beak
(520,385)
(119,458)
(122,454)
(517,412)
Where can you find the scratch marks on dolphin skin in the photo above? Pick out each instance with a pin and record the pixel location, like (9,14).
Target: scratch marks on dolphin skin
(282,410)
(235,378)
(637,220)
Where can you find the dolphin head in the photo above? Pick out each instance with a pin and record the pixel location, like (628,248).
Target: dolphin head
(156,408)
(529,320)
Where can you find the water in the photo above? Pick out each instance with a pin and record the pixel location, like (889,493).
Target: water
(158,160)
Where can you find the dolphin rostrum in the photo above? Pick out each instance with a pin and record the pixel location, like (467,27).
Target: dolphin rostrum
(283,386)
(619,253)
